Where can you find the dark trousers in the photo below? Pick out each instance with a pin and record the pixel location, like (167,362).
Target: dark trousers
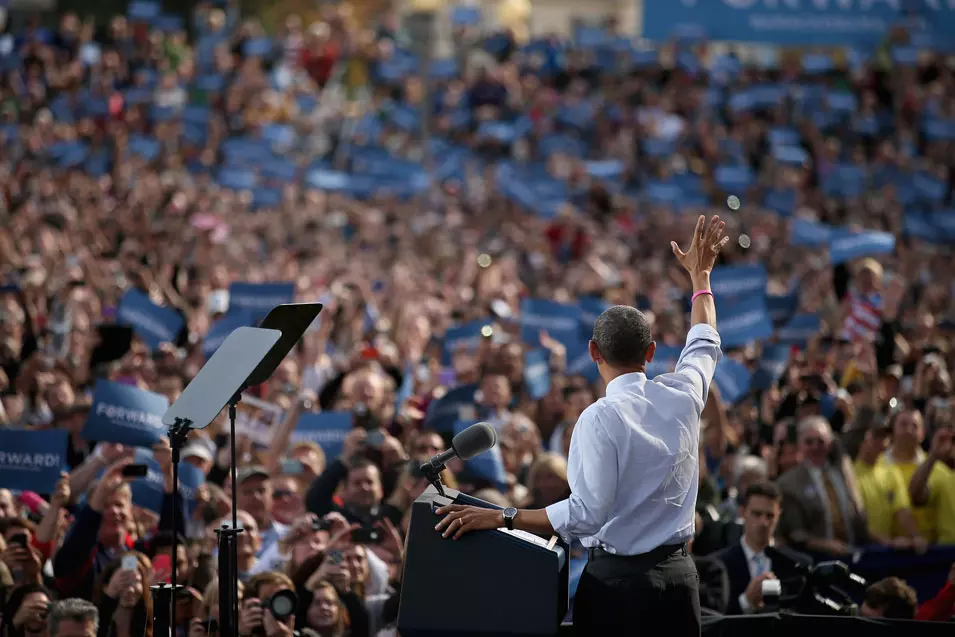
(656,593)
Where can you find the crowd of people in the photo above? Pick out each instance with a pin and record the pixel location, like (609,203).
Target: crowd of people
(177,161)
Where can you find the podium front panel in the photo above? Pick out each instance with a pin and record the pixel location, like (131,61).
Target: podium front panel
(486,583)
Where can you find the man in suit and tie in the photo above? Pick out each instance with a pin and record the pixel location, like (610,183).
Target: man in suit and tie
(822,509)
(753,559)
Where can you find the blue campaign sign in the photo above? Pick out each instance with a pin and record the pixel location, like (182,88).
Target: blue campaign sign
(664,360)
(152,323)
(796,22)
(560,321)
(259,298)
(327,428)
(809,234)
(537,373)
(125,414)
(466,336)
(458,404)
(191,478)
(739,280)
(222,328)
(782,308)
(590,308)
(743,321)
(579,362)
(733,379)
(800,329)
(771,366)
(485,467)
(150,491)
(846,246)
(32,460)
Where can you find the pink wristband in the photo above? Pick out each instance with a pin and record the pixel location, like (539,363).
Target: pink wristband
(700,293)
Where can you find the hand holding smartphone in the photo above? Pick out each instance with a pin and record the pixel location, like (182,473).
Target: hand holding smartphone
(130,563)
(135,471)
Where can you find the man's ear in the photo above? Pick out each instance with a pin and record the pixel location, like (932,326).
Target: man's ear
(594,353)
(651,351)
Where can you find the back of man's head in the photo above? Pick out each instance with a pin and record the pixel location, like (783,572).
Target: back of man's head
(890,598)
(623,336)
(73,618)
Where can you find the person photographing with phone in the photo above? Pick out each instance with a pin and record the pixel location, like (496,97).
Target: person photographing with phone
(101,530)
(633,469)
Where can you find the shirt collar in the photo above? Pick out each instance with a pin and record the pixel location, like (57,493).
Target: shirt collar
(620,383)
(749,552)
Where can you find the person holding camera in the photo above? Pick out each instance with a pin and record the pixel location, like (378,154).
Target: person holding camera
(753,561)
(26,611)
(363,493)
(269,607)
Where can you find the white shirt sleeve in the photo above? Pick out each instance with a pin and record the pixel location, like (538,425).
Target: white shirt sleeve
(697,364)
(594,486)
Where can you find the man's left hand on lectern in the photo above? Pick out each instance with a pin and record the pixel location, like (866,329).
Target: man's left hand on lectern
(460,519)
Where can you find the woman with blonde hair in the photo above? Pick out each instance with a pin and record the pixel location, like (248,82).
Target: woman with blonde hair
(547,480)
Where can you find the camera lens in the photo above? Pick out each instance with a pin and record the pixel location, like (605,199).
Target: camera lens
(283,604)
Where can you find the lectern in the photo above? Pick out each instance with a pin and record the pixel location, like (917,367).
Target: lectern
(503,583)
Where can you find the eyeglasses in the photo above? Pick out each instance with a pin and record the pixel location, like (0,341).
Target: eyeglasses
(283,493)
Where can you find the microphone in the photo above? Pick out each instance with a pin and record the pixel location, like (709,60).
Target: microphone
(471,442)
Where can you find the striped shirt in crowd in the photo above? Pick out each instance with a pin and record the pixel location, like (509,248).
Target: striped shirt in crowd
(864,318)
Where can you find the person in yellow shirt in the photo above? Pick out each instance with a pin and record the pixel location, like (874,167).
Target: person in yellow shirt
(885,495)
(934,484)
(906,455)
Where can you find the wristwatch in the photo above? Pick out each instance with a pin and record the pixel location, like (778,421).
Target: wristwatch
(509,514)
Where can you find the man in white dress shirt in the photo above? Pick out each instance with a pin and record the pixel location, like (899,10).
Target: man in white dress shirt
(633,470)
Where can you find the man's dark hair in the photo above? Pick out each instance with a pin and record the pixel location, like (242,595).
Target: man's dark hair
(163,540)
(623,336)
(892,596)
(360,462)
(761,489)
(73,609)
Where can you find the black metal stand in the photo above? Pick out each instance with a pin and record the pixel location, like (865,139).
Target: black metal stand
(164,618)
(178,436)
(432,471)
(163,608)
(229,544)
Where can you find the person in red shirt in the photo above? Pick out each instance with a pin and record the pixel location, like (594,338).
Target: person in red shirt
(568,240)
(940,608)
(320,54)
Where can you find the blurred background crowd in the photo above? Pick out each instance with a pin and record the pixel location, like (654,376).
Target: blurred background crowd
(462,218)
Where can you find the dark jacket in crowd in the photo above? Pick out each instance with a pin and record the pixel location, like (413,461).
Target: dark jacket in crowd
(82,558)
(787,567)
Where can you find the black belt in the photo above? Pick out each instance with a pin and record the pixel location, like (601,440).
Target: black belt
(649,558)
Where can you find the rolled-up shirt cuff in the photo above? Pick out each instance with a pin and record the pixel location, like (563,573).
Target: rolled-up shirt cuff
(702,330)
(559,516)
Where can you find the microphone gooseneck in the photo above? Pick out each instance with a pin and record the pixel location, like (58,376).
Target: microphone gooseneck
(471,442)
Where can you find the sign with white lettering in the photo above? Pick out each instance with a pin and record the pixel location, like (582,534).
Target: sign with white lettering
(153,324)
(328,429)
(32,460)
(257,419)
(125,414)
